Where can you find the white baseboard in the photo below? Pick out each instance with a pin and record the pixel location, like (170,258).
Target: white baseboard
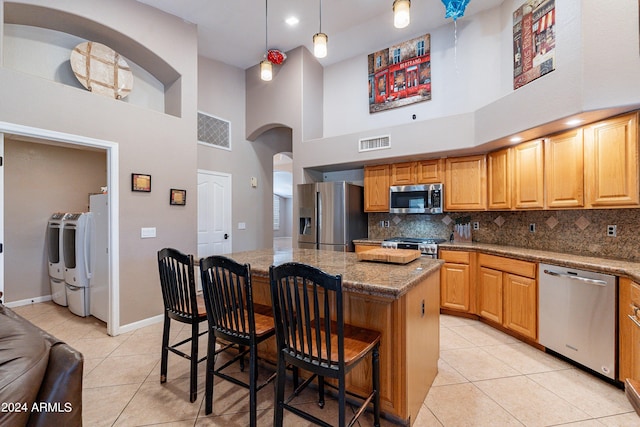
(28,301)
(140,324)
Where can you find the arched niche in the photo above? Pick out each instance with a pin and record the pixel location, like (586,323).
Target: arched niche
(69,23)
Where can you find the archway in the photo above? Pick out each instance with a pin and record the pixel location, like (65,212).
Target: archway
(282,200)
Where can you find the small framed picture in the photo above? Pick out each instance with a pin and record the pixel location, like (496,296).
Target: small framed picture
(178,197)
(141,182)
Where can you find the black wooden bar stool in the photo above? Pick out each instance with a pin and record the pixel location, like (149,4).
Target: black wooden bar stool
(311,335)
(181,303)
(237,321)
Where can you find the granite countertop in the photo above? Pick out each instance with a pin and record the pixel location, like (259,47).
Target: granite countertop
(602,265)
(372,278)
(616,267)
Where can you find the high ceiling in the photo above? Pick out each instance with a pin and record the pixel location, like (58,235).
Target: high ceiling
(233,31)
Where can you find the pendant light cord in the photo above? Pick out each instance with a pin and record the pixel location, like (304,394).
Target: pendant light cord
(320,16)
(266,26)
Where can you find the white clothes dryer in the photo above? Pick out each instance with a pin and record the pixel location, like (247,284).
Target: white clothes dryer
(55,258)
(77,242)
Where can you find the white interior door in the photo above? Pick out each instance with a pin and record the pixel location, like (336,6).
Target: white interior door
(214,213)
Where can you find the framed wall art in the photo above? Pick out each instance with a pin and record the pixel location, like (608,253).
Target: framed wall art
(400,75)
(534,41)
(141,182)
(178,197)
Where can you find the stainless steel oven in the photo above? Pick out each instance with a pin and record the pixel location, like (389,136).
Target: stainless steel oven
(428,247)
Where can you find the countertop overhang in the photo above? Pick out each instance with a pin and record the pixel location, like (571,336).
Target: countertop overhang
(365,277)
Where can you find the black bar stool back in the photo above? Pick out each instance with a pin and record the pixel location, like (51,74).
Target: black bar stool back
(311,335)
(237,321)
(182,304)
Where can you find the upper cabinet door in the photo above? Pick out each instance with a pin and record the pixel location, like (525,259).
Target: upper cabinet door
(499,179)
(403,173)
(611,162)
(376,188)
(564,170)
(430,171)
(528,175)
(466,183)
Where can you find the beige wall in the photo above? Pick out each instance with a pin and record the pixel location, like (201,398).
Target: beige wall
(222,94)
(40,180)
(160,144)
(473,102)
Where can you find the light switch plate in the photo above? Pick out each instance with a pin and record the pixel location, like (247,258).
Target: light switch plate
(242,225)
(147,232)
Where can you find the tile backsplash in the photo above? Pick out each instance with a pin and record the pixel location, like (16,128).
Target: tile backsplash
(580,232)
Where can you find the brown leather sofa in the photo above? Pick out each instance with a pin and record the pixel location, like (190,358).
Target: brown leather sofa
(40,376)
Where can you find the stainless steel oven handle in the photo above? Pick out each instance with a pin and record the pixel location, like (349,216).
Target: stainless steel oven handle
(571,276)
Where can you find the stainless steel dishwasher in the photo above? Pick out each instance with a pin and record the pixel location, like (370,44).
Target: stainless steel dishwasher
(577,316)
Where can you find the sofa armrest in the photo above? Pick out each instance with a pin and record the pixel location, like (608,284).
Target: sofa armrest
(61,391)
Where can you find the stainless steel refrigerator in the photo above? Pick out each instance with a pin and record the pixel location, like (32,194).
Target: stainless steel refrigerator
(331,216)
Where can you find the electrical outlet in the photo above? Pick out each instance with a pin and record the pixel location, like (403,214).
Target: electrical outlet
(386,224)
(476,225)
(532,228)
(612,230)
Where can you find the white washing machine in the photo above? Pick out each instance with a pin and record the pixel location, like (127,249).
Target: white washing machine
(77,242)
(55,258)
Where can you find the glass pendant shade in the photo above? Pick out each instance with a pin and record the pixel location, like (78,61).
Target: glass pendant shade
(320,45)
(266,71)
(401,16)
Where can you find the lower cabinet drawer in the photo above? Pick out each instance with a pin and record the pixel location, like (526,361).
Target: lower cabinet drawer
(458,257)
(508,265)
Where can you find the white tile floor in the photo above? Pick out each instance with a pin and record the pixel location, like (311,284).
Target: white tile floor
(486,378)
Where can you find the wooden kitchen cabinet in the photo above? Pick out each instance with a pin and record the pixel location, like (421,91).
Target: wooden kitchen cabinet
(508,293)
(466,183)
(455,281)
(528,175)
(629,339)
(564,170)
(499,179)
(403,173)
(419,172)
(520,305)
(490,294)
(376,188)
(611,162)
(430,171)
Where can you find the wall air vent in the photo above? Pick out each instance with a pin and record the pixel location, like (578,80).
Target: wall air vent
(213,131)
(374,143)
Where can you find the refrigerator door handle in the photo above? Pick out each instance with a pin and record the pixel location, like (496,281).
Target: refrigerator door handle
(318,218)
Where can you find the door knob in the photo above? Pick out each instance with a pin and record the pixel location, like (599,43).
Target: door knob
(226,236)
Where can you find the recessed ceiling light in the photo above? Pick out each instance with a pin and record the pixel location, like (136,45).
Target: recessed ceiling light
(516,139)
(292,20)
(574,122)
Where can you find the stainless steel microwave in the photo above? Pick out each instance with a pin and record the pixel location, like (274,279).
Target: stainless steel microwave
(422,198)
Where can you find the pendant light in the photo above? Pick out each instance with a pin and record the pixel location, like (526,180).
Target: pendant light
(320,40)
(266,68)
(401,16)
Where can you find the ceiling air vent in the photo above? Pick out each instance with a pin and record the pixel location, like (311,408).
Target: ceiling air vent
(374,143)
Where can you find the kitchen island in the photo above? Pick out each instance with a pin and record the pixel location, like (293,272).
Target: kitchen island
(400,301)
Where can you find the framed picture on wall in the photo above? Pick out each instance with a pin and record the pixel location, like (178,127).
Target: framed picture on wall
(141,182)
(178,197)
